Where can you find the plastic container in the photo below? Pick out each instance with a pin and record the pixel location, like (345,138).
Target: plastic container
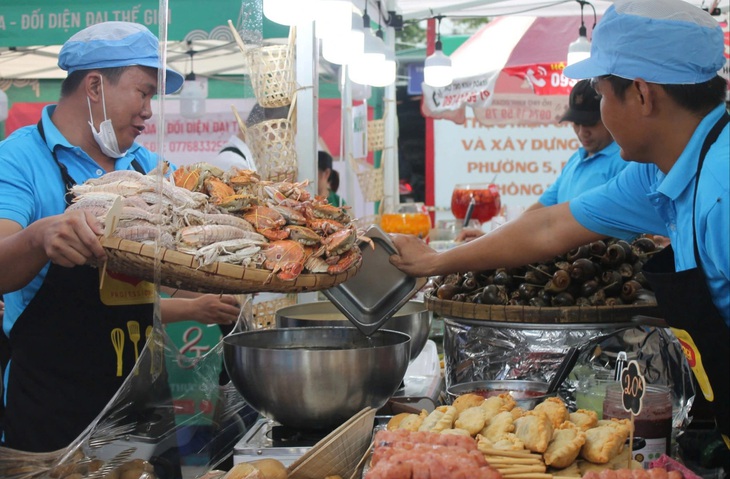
(591,393)
(653,424)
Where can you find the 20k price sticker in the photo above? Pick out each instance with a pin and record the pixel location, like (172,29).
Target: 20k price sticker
(633,386)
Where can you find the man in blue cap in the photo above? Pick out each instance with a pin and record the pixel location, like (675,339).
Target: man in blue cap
(63,367)
(655,63)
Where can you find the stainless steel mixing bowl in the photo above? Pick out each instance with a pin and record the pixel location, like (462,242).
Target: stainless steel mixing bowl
(413,318)
(315,378)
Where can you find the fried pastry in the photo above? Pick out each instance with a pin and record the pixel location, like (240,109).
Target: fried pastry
(555,409)
(534,429)
(508,442)
(499,426)
(517,412)
(471,419)
(465,401)
(497,404)
(565,445)
(405,420)
(584,418)
(440,418)
(604,442)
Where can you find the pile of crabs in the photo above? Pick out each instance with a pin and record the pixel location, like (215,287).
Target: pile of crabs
(227,216)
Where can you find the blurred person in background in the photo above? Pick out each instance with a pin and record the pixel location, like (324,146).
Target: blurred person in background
(595,162)
(324,175)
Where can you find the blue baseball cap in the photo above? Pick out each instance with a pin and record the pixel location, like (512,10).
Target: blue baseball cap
(660,41)
(115,44)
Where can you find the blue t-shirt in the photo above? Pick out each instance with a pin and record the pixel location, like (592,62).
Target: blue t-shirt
(642,199)
(31,186)
(582,172)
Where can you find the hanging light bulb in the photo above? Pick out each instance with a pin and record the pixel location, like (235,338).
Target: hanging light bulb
(343,50)
(580,49)
(437,71)
(192,95)
(333,19)
(383,73)
(373,55)
(289,12)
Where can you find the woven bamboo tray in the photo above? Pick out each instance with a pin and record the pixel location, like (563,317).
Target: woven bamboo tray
(179,270)
(532,314)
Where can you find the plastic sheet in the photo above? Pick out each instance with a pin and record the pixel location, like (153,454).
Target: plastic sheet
(477,350)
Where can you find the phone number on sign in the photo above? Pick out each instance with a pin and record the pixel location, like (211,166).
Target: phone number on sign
(189,146)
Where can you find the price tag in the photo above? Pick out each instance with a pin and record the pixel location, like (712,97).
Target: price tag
(633,386)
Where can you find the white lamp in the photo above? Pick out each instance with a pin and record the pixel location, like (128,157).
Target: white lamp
(192,95)
(343,50)
(580,49)
(3,105)
(333,18)
(373,55)
(386,71)
(289,12)
(437,71)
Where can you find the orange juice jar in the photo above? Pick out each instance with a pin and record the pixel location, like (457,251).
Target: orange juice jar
(407,218)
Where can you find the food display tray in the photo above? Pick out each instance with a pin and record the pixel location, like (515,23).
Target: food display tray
(180,270)
(369,299)
(539,315)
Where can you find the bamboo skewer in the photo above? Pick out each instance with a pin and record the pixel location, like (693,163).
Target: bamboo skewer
(499,460)
(505,453)
(237,37)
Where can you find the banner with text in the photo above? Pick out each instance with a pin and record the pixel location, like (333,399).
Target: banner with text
(522,161)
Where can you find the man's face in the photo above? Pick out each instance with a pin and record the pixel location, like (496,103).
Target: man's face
(618,117)
(129,103)
(594,138)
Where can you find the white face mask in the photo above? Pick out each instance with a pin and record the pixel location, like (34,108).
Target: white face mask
(105,137)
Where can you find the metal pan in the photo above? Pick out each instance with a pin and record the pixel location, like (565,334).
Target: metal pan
(378,290)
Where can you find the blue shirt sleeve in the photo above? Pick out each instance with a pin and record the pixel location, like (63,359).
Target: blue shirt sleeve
(620,208)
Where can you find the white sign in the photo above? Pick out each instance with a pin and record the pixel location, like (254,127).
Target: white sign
(360,131)
(189,141)
(522,161)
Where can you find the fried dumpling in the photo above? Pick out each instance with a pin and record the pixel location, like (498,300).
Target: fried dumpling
(565,445)
(584,418)
(465,401)
(555,409)
(440,418)
(457,431)
(499,426)
(508,442)
(407,421)
(497,404)
(471,419)
(604,442)
(534,429)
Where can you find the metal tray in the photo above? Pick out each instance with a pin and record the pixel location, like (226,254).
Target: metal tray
(372,296)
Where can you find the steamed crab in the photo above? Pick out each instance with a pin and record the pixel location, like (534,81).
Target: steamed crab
(285,259)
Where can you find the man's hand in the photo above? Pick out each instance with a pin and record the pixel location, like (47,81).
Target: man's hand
(72,238)
(414,256)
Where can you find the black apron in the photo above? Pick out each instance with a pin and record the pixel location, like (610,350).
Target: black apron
(64,366)
(685,301)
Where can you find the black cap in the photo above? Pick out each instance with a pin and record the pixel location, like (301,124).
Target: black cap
(324,160)
(584,105)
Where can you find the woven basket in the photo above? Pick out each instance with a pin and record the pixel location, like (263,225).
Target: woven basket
(272,144)
(532,314)
(340,453)
(264,313)
(272,74)
(179,270)
(370,179)
(376,134)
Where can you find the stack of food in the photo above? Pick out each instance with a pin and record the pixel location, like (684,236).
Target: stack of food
(528,444)
(602,273)
(228,217)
